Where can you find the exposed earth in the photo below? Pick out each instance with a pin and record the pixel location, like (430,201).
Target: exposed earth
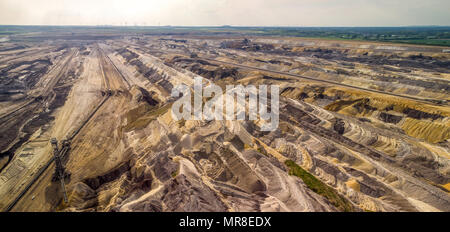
(364,126)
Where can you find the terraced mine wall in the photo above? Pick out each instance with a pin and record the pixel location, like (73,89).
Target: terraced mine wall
(63,155)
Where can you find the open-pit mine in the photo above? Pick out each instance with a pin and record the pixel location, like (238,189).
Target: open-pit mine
(86,124)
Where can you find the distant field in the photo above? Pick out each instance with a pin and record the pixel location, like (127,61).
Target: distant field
(438,36)
(433,35)
(6,33)
(443,42)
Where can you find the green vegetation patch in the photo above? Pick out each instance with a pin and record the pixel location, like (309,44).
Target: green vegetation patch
(138,112)
(141,123)
(160,111)
(143,115)
(432,42)
(319,187)
(174,174)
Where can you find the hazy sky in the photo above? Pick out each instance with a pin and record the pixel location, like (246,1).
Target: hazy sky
(226,12)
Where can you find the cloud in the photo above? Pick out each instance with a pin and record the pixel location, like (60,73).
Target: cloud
(226,12)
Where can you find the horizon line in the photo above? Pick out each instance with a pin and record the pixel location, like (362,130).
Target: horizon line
(213,26)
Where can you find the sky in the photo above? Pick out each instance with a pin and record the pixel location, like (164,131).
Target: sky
(226,12)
